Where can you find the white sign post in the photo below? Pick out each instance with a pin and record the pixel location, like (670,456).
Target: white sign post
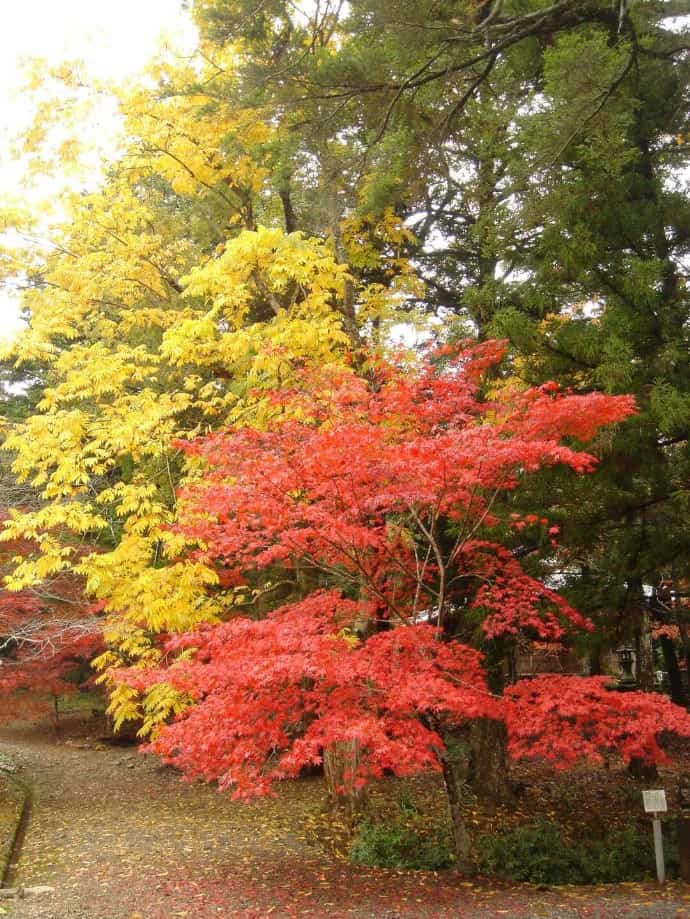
(655,803)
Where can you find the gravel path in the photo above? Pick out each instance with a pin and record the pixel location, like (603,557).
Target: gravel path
(120,837)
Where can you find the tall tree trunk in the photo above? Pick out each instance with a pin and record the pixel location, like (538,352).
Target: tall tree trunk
(594,662)
(645,653)
(645,668)
(340,763)
(288,210)
(685,641)
(636,608)
(487,766)
(675,679)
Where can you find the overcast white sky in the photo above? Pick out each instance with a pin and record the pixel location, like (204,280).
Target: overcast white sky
(113,37)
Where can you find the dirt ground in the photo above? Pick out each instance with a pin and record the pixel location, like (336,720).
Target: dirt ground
(120,837)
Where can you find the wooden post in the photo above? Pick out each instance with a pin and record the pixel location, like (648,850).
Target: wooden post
(659,849)
(654,801)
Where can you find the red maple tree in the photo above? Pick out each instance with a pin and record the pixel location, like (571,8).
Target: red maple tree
(376,501)
(48,635)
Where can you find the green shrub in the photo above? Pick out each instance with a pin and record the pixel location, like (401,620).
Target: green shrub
(622,855)
(538,853)
(406,840)
(535,852)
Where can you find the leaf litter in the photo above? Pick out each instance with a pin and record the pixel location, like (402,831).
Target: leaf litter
(120,837)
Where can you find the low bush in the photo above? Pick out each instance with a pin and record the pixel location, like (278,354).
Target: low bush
(534,852)
(540,854)
(405,840)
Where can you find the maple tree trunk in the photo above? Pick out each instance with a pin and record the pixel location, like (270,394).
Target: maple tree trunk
(340,764)
(461,836)
(487,766)
(57,727)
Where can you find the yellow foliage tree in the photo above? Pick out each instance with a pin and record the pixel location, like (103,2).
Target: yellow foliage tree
(161,308)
